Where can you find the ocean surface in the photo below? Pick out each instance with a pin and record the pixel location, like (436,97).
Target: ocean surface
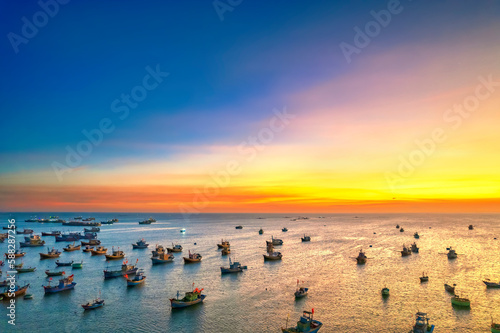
(345,296)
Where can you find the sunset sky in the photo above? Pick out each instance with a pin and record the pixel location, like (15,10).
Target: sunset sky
(258,112)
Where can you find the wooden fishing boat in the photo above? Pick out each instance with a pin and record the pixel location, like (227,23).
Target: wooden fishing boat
(490,284)
(26,270)
(234,267)
(193,257)
(422,324)
(91,242)
(306,238)
(223,244)
(32,241)
(261,231)
(71,247)
(239,227)
(16,292)
(450,289)
(51,233)
(452,254)
(162,258)
(175,248)
(414,248)
(87,248)
(77,265)
(361,258)
(190,298)
(16,254)
(99,250)
(89,219)
(401,230)
(416,235)
(64,284)
(284,229)
(17,266)
(148,221)
(225,251)
(385,291)
(49,273)
(125,269)
(306,324)
(460,301)
(97,303)
(275,241)
(137,279)
(93,229)
(271,254)
(406,251)
(300,291)
(115,255)
(140,244)
(471,227)
(81,224)
(25,232)
(59,263)
(424,277)
(158,250)
(397,226)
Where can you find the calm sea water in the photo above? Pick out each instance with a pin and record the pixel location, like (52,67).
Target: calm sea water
(346,297)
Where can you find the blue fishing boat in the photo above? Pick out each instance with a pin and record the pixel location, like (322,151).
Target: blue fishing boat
(25,232)
(234,267)
(93,229)
(64,284)
(89,235)
(97,303)
(422,324)
(137,279)
(190,298)
(306,324)
(59,263)
(69,237)
(140,244)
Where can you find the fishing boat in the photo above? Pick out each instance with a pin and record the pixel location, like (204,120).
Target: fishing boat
(183,230)
(406,251)
(32,241)
(15,292)
(28,296)
(20,265)
(471,227)
(414,248)
(99,250)
(125,269)
(271,254)
(4,283)
(87,248)
(306,324)
(16,254)
(361,258)
(25,232)
(225,251)
(59,273)
(89,235)
(26,270)
(68,263)
(397,226)
(306,238)
(450,289)
(54,253)
(162,258)
(93,229)
(81,224)
(69,237)
(115,255)
(300,291)
(109,221)
(401,230)
(77,264)
(190,298)
(284,229)
(148,221)
(52,219)
(158,250)
(140,244)
(452,254)
(175,248)
(71,247)
(275,241)
(89,219)
(223,244)
(91,242)
(97,303)
(416,235)
(424,277)
(193,257)
(422,324)
(495,328)
(460,301)
(32,220)
(490,284)
(261,231)
(137,279)
(11,227)
(51,233)
(385,291)
(64,284)
(239,227)
(234,267)
(77,218)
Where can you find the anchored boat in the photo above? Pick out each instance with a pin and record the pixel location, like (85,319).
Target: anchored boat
(422,324)
(261,231)
(284,229)
(306,324)
(115,255)
(190,298)
(162,258)
(51,233)
(385,292)
(175,248)
(77,264)
(414,248)
(490,284)
(26,270)
(300,291)
(25,232)
(71,247)
(450,289)
(452,254)
(223,244)
(138,279)
(125,270)
(16,254)
(460,301)
(424,277)
(59,263)
(91,242)
(99,250)
(148,221)
(97,303)
(87,248)
(275,241)
(16,292)
(234,267)
(406,251)
(93,229)
(416,235)
(193,257)
(271,254)
(158,250)
(140,244)
(239,227)
(64,284)
(361,258)
(32,241)
(49,273)
(225,251)
(306,238)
